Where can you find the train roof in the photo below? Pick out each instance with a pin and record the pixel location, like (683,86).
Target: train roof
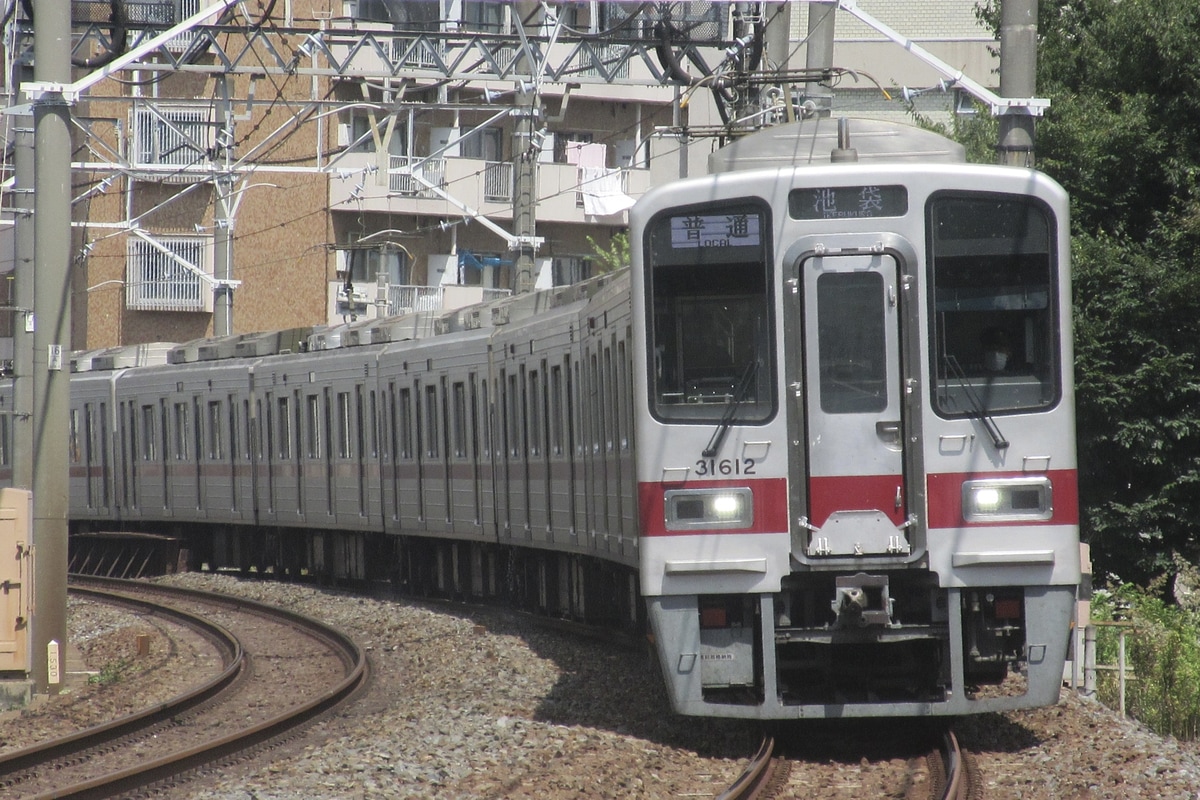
(813,142)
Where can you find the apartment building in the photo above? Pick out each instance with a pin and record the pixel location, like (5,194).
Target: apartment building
(325,161)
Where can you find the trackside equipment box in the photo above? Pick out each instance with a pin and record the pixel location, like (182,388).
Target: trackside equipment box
(16,579)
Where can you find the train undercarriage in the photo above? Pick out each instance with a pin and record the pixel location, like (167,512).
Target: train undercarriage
(564,585)
(863,644)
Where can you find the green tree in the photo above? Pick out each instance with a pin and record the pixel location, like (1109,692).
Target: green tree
(613,257)
(1122,135)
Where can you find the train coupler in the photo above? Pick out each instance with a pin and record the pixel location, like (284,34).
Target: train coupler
(861,600)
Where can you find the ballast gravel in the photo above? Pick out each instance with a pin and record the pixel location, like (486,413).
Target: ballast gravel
(469,703)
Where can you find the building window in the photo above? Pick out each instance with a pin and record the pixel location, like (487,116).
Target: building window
(168,273)
(563,142)
(571,269)
(171,137)
(364,263)
(365,126)
(484,144)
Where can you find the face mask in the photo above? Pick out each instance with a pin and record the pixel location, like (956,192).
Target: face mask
(995,360)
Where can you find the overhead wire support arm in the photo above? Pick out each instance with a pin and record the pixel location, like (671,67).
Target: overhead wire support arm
(999,106)
(70,92)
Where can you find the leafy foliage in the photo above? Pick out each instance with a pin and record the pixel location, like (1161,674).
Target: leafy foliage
(613,257)
(1122,135)
(1162,655)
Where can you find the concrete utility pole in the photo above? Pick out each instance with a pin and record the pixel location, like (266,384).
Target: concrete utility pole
(778,35)
(22,297)
(1018,78)
(51,340)
(819,56)
(223,219)
(525,155)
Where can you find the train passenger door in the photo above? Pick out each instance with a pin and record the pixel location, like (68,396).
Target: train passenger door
(852,405)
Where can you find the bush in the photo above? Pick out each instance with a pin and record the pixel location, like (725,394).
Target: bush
(1162,653)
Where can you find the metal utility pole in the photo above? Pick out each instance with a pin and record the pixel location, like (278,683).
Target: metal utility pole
(1018,78)
(51,339)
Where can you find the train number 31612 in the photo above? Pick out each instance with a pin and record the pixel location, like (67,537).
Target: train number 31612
(709,467)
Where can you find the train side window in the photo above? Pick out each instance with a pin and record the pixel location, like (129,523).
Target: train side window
(73,435)
(233,426)
(373,418)
(214,429)
(404,423)
(431,421)
(312,432)
(709,303)
(89,434)
(285,429)
(148,442)
(460,420)
(994,293)
(343,425)
(181,431)
(534,401)
(556,410)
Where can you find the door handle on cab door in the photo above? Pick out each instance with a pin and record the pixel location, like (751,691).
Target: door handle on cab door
(888,432)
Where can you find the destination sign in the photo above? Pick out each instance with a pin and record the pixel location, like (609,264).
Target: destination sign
(848,202)
(701,231)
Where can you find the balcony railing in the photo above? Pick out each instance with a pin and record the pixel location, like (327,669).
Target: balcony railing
(404,299)
(431,169)
(363,299)
(497,182)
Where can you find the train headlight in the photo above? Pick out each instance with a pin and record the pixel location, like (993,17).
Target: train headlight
(1007,500)
(690,509)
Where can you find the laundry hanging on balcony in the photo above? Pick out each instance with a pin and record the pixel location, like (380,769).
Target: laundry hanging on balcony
(603,191)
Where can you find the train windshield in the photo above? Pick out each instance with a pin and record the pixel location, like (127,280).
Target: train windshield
(993,293)
(709,294)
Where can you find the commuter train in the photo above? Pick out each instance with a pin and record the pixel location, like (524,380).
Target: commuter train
(819,438)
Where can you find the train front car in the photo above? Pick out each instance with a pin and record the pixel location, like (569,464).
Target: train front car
(856,456)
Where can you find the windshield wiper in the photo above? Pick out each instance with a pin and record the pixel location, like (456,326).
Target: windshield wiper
(731,406)
(977,406)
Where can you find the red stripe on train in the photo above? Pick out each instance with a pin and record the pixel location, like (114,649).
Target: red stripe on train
(945,497)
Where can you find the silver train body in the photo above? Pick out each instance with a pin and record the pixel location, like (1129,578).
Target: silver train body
(856,456)
(823,427)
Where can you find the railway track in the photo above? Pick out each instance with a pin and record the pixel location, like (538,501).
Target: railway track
(952,776)
(279,671)
(955,776)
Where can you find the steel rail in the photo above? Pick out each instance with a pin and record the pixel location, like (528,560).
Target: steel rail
(233,659)
(356,671)
(958,783)
(755,776)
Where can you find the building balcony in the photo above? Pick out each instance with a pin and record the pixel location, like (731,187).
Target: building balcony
(476,186)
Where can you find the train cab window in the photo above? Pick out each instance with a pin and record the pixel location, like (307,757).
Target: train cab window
(995,345)
(851,336)
(709,302)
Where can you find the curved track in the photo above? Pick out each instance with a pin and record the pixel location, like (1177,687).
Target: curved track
(952,775)
(280,670)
